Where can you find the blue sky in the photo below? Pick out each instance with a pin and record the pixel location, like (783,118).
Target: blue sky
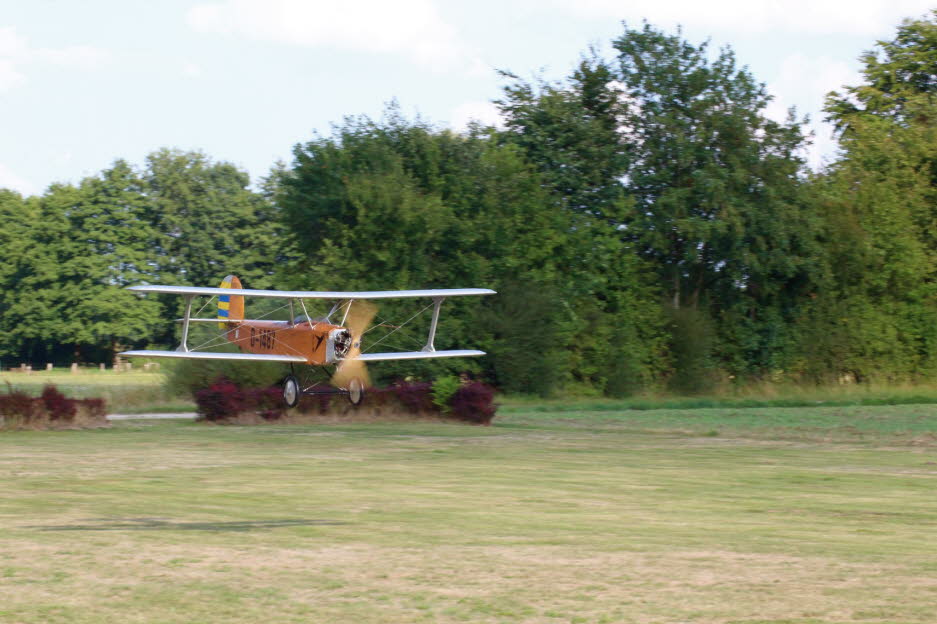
(83,83)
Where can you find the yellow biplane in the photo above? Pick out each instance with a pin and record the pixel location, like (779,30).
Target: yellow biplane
(334,339)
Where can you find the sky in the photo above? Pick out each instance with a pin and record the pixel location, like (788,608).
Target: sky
(85,82)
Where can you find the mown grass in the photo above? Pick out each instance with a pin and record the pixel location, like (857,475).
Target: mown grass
(759,515)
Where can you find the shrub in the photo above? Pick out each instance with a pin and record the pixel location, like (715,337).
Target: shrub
(415,397)
(443,389)
(18,404)
(222,399)
(267,402)
(474,402)
(692,346)
(58,406)
(50,409)
(381,397)
(225,399)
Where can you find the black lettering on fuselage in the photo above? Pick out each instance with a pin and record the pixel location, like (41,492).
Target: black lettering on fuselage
(264,339)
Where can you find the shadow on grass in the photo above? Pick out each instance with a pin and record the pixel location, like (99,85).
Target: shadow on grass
(156,524)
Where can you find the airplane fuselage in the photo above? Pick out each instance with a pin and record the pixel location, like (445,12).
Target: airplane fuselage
(319,342)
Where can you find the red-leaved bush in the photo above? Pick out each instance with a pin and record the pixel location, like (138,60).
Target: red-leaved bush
(58,406)
(416,397)
(51,407)
(267,402)
(18,404)
(474,402)
(222,399)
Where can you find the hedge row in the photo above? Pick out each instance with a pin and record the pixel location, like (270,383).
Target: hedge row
(50,410)
(471,402)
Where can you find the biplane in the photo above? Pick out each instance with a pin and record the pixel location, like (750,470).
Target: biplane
(332,339)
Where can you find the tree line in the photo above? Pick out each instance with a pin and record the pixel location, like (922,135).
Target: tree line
(645,223)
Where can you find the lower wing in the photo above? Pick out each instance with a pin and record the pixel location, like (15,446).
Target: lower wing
(417,355)
(209,355)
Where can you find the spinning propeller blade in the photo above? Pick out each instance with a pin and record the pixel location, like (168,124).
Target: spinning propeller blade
(359,317)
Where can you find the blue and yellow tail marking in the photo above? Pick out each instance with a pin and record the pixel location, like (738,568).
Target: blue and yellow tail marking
(230,308)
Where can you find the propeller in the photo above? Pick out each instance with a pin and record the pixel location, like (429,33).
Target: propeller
(359,317)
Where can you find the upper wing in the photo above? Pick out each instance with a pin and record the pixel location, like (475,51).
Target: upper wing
(316,294)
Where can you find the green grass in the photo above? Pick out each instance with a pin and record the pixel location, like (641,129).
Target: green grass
(766,515)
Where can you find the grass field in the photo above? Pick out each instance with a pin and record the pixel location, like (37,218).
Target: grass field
(769,515)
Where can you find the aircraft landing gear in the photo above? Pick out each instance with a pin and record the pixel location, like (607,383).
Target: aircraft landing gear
(355,392)
(291,391)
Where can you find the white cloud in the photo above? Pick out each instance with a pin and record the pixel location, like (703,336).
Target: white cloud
(412,28)
(15,52)
(849,17)
(11,44)
(10,180)
(191,70)
(9,76)
(484,112)
(74,57)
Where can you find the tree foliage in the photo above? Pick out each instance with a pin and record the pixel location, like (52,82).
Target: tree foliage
(875,315)
(73,251)
(645,221)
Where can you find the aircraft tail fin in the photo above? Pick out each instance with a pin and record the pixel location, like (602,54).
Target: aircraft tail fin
(230,307)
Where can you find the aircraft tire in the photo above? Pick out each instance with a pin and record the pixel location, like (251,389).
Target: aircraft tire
(291,391)
(355,392)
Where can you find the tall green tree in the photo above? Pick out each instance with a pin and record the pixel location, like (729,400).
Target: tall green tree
(209,223)
(666,158)
(875,317)
(89,242)
(571,132)
(398,204)
(21,221)
(900,76)
(713,179)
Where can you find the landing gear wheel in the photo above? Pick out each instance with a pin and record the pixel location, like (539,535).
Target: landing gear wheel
(291,391)
(355,392)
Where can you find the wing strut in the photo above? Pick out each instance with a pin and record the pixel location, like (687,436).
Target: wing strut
(437,303)
(185,324)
